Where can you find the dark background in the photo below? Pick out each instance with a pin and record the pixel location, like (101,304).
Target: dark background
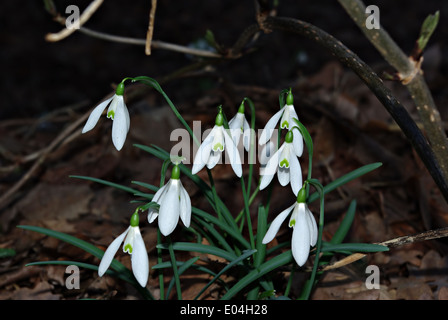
(38,76)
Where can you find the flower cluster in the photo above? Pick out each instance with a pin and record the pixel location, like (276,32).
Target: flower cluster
(172,203)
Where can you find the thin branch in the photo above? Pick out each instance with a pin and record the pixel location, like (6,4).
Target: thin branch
(85,16)
(152,15)
(156,44)
(410,75)
(375,84)
(393,243)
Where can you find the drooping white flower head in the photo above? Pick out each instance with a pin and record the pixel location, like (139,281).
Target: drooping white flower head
(212,148)
(285,163)
(304,234)
(118,112)
(174,202)
(287,114)
(238,126)
(135,246)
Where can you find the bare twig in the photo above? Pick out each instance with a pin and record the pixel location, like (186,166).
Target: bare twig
(152,15)
(393,243)
(410,75)
(85,16)
(64,135)
(375,84)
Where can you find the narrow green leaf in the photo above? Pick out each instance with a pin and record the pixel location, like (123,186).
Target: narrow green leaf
(7,253)
(353,247)
(107,183)
(245,255)
(197,247)
(181,270)
(345,225)
(270,265)
(345,179)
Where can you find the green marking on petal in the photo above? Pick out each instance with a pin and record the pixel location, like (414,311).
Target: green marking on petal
(284,163)
(128,248)
(111,114)
(285,124)
(292,223)
(218,146)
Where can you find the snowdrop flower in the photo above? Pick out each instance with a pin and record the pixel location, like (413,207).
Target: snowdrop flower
(209,152)
(304,234)
(134,245)
(287,114)
(284,161)
(118,112)
(238,125)
(174,202)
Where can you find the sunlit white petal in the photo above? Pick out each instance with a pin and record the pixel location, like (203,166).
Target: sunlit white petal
(269,128)
(234,155)
(95,115)
(268,172)
(110,253)
(312,228)
(169,209)
(203,153)
(300,242)
(139,259)
(295,172)
(185,207)
(120,126)
(283,176)
(275,225)
(215,157)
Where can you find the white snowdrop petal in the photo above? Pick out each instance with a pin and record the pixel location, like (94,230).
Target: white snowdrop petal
(269,128)
(295,172)
(185,207)
(139,260)
(285,121)
(108,256)
(120,127)
(267,173)
(234,155)
(276,223)
(313,228)
(95,115)
(214,158)
(246,135)
(203,153)
(169,209)
(266,152)
(300,242)
(297,142)
(283,176)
